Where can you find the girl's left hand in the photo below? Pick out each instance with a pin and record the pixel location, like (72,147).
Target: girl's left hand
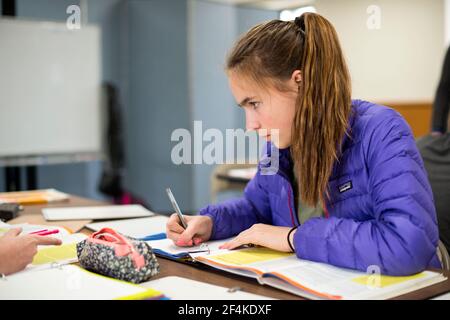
(264,235)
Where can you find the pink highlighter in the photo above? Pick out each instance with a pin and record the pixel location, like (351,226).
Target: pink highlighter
(45,232)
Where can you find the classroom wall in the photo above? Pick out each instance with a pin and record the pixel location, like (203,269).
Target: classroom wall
(447,22)
(165,83)
(52,10)
(246,19)
(399,62)
(79,178)
(158,100)
(150,68)
(213,29)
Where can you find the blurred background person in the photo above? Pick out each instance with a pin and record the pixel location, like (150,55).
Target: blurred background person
(435,150)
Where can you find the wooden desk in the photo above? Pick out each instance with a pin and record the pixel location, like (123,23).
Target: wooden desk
(32,214)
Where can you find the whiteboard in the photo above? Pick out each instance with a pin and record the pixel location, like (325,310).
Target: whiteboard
(49,89)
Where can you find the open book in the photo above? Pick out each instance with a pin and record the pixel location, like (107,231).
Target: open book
(285,271)
(70,283)
(312,279)
(167,249)
(305,278)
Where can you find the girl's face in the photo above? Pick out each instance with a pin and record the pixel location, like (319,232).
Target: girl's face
(267,108)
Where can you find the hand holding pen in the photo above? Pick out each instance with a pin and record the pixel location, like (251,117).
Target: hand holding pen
(187,230)
(20,249)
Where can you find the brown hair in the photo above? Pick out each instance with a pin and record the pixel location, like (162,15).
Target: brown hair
(269,53)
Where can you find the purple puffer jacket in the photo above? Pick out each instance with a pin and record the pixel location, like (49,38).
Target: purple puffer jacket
(380,213)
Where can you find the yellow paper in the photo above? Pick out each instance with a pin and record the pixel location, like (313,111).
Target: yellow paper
(55,254)
(33,196)
(145,295)
(251,255)
(148,293)
(381,281)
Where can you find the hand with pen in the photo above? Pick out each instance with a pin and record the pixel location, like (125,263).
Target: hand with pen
(198,230)
(184,230)
(17,251)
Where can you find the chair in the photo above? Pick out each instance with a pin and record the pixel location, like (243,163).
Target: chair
(435,152)
(443,256)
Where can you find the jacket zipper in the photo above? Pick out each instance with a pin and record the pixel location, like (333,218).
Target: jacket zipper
(294,218)
(290,202)
(290,207)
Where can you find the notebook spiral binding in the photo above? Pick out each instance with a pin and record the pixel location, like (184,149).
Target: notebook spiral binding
(203,248)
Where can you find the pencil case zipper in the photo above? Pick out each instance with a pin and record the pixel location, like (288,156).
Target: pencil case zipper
(122,246)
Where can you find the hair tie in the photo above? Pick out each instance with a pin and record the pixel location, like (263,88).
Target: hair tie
(288,238)
(300,23)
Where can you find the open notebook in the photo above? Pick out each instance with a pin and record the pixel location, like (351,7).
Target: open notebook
(63,254)
(311,279)
(70,283)
(167,249)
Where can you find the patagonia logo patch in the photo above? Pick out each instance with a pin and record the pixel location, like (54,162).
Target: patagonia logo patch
(345,187)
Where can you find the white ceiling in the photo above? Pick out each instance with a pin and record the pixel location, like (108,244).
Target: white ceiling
(267,4)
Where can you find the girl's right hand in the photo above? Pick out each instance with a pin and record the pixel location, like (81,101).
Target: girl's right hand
(199,230)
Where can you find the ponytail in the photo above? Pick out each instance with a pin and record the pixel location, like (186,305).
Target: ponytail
(322,109)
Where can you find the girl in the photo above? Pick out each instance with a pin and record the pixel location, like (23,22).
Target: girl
(351,189)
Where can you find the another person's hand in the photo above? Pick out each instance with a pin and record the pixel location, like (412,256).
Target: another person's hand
(264,235)
(16,251)
(199,230)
